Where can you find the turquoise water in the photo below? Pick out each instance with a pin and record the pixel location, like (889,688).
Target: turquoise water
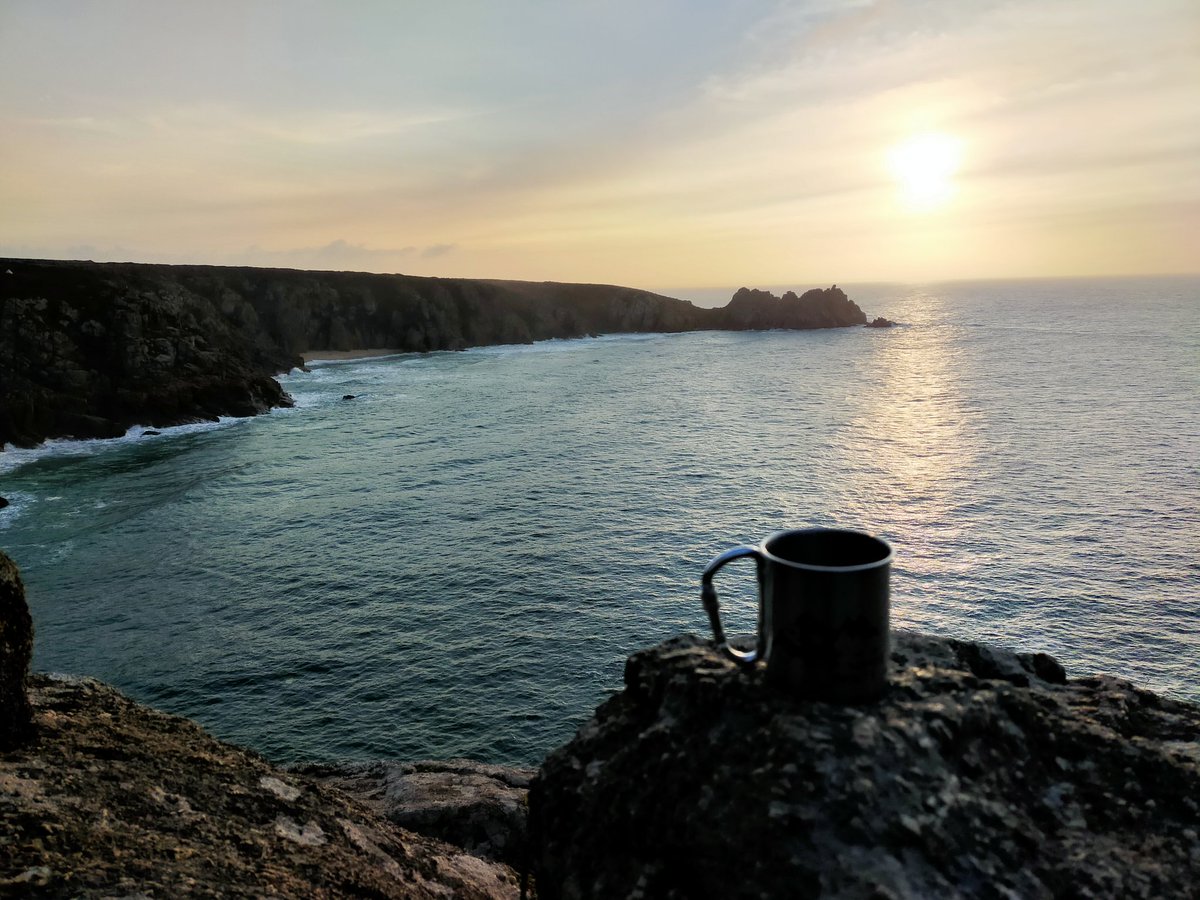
(458,561)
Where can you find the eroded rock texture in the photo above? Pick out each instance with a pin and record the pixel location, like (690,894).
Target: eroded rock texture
(473,805)
(118,800)
(980,774)
(87,351)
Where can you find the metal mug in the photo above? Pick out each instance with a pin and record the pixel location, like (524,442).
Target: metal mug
(822,612)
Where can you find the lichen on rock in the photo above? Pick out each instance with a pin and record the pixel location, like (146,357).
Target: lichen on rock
(115,799)
(981,773)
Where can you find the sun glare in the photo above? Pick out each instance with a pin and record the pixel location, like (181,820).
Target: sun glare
(924,166)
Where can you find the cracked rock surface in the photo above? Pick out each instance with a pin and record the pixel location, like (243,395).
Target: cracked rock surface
(473,805)
(115,799)
(981,773)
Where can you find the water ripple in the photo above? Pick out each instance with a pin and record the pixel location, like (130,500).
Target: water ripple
(458,562)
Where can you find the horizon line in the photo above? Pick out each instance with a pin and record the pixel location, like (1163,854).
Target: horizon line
(1113,276)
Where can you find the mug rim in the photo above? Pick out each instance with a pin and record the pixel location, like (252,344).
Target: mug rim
(813,567)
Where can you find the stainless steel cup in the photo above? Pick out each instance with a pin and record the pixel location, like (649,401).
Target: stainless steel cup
(822,614)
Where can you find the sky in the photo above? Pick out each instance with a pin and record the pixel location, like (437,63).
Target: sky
(659,143)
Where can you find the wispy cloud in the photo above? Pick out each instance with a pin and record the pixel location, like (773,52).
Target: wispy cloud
(572,141)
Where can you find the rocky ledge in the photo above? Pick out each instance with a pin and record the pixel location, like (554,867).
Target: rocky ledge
(476,806)
(116,799)
(981,774)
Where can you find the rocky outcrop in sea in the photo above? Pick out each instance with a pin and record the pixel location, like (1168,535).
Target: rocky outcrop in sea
(818,308)
(88,349)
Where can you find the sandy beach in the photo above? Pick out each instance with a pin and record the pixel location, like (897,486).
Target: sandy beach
(313,355)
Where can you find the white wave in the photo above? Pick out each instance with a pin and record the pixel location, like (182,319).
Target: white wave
(16,457)
(561,345)
(18,502)
(326,363)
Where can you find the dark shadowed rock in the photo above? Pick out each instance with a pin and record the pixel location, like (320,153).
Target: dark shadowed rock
(479,807)
(980,774)
(16,648)
(3,502)
(879,322)
(817,308)
(118,800)
(88,349)
(347,396)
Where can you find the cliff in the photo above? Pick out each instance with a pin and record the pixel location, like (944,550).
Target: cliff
(88,349)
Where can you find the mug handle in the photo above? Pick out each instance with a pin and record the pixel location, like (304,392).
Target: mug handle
(708,595)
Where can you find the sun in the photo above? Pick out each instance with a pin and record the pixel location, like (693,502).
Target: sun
(924,167)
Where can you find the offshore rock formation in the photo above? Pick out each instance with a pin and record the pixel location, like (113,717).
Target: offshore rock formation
(473,805)
(88,349)
(828,308)
(980,774)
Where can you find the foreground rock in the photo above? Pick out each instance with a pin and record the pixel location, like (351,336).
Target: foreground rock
(16,649)
(980,774)
(115,799)
(479,807)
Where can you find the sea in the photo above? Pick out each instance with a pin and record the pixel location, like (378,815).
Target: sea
(458,561)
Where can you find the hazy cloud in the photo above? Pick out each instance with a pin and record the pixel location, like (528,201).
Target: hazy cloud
(339,254)
(582,141)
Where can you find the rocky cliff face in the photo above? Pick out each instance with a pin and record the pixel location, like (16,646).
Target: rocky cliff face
(980,774)
(828,308)
(88,349)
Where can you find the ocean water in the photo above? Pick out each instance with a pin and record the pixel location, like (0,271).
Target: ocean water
(458,561)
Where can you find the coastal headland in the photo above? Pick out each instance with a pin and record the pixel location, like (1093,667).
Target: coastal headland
(89,349)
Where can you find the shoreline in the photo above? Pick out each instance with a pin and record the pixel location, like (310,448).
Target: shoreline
(311,356)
